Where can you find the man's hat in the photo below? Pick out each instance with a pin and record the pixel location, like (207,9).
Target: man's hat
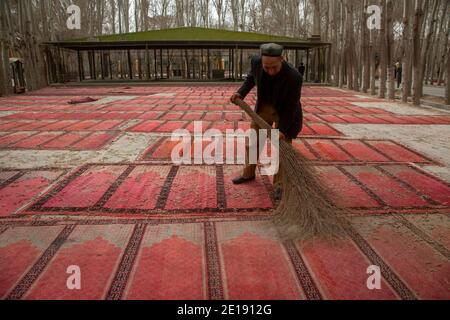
(271,50)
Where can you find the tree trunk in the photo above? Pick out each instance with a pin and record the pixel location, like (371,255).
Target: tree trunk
(5,75)
(112,5)
(426,47)
(406,63)
(365,49)
(373,71)
(137,5)
(316,17)
(342,49)
(389,50)
(436,47)
(447,86)
(442,65)
(418,16)
(383,54)
(334,55)
(126,15)
(119,10)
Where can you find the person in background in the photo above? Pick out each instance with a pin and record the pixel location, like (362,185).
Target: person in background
(398,74)
(302,69)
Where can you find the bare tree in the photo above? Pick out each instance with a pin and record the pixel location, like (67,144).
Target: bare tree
(383,53)
(389,50)
(426,46)
(221,7)
(436,45)
(5,83)
(406,64)
(447,74)
(365,49)
(235,7)
(204,12)
(342,46)
(112,7)
(442,63)
(418,16)
(316,17)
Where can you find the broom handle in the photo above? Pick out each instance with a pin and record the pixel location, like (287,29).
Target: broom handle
(255,117)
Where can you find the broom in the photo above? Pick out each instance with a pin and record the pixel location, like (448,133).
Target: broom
(305,210)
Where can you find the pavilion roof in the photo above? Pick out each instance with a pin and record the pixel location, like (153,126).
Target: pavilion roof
(186,37)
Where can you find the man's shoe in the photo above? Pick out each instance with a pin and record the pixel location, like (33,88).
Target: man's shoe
(241,180)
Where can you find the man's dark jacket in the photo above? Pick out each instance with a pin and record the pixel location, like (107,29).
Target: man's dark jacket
(286,96)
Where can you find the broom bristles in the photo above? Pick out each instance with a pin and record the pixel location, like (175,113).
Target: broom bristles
(305,210)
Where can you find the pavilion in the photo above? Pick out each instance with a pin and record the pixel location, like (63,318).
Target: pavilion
(183,54)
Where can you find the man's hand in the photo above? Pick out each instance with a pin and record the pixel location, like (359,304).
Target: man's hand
(234,97)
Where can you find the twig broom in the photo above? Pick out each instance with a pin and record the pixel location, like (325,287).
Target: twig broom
(305,210)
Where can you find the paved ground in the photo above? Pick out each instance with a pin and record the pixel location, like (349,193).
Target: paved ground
(92,185)
(438,91)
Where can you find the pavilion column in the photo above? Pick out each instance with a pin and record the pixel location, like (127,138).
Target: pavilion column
(168,66)
(328,64)
(319,64)
(324,69)
(80,66)
(155,64)
(51,65)
(105,64)
(91,73)
(102,65)
(57,65)
(89,61)
(120,65)
(94,70)
(201,64)
(229,63)
(241,63)
(193,65)
(187,64)
(161,62)
(324,50)
(139,61)
(110,65)
(147,54)
(63,65)
(325,64)
(307,65)
(130,64)
(234,64)
(209,63)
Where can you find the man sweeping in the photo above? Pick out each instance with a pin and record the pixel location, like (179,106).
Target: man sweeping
(278,101)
